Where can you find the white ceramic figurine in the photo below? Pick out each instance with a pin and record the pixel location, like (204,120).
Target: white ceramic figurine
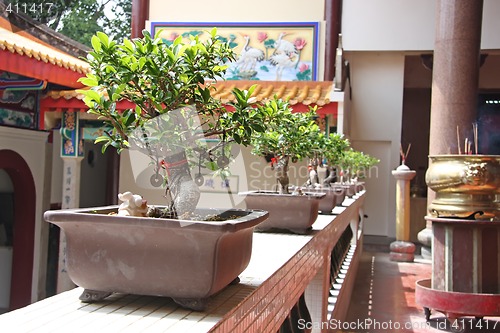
(132,205)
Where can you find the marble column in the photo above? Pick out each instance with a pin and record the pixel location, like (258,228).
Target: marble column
(455,80)
(455,73)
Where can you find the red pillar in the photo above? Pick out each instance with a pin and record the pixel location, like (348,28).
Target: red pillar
(333,15)
(140,13)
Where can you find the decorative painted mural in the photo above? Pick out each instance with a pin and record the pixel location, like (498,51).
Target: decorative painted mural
(71,135)
(265,51)
(18,100)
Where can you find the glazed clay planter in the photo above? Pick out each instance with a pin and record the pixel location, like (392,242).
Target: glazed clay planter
(359,186)
(334,196)
(349,188)
(339,196)
(295,213)
(186,260)
(464,186)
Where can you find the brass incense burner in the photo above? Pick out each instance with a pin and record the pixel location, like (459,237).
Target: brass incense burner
(466,186)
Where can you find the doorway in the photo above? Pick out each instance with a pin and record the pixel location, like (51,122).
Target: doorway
(6,237)
(19,226)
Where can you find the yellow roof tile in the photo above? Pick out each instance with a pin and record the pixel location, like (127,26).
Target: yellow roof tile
(299,93)
(304,92)
(23,46)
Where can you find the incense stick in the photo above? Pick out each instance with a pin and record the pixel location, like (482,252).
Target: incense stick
(407,150)
(476,144)
(458,141)
(403,155)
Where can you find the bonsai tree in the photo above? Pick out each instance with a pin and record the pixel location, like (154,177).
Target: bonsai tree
(169,84)
(287,136)
(365,163)
(355,163)
(330,148)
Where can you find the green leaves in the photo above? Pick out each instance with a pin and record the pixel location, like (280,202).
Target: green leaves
(156,77)
(103,39)
(243,97)
(96,43)
(283,132)
(91,97)
(356,162)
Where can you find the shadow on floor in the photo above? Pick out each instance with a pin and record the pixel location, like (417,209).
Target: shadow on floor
(383,300)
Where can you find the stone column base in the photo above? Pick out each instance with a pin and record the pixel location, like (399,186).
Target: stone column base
(402,251)
(425,237)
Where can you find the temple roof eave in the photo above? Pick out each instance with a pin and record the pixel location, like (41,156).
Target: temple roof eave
(300,94)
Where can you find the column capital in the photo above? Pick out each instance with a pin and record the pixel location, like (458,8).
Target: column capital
(403,172)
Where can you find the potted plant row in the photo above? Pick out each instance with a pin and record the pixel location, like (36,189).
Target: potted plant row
(328,150)
(289,137)
(178,249)
(353,166)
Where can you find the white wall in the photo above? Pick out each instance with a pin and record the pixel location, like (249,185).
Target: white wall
(404,25)
(33,148)
(376,111)
(490,38)
(388,25)
(236,10)
(377,94)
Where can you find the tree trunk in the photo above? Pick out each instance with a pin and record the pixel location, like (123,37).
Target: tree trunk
(332,177)
(313,177)
(282,174)
(185,193)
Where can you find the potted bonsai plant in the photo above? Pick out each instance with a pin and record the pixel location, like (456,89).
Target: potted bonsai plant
(353,166)
(328,150)
(288,137)
(174,113)
(364,163)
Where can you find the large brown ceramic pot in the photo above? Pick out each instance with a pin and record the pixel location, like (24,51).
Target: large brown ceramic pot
(183,259)
(295,213)
(465,185)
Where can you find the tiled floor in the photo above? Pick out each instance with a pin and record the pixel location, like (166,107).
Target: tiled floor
(384,300)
